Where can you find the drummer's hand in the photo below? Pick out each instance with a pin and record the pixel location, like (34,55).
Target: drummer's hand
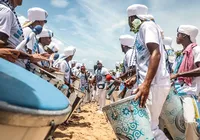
(9,54)
(71,88)
(142,93)
(173,76)
(130,82)
(117,82)
(37,57)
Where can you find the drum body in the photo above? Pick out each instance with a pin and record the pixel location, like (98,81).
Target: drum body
(75,99)
(30,108)
(128,121)
(172,116)
(57,78)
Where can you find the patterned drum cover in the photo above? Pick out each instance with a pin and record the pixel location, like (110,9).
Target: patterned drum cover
(172,115)
(128,121)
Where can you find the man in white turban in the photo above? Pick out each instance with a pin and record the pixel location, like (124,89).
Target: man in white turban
(36,16)
(63,64)
(188,86)
(153,78)
(127,43)
(44,39)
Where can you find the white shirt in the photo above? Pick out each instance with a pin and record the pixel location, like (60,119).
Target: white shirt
(32,44)
(101,75)
(129,59)
(65,68)
(9,26)
(41,49)
(149,33)
(194,89)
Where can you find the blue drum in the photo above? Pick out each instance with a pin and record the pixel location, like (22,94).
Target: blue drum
(29,106)
(172,116)
(128,121)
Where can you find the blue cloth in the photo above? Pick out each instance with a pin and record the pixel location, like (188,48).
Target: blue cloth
(22,88)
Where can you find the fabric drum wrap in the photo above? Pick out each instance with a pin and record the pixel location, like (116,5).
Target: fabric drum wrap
(172,116)
(128,121)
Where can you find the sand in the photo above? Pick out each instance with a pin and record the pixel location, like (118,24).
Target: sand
(87,125)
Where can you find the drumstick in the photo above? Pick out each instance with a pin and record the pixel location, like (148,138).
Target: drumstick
(111,91)
(109,86)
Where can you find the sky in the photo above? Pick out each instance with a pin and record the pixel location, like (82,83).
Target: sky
(94,26)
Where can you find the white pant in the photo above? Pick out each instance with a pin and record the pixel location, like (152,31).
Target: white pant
(189,117)
(156,99)
(101,98)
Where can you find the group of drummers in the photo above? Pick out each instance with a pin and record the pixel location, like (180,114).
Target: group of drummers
(149,72)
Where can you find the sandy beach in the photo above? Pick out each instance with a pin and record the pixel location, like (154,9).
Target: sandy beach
(87,125)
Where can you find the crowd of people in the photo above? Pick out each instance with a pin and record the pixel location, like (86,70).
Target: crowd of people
(149,70)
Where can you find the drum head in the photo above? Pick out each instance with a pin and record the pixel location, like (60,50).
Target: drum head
(20,87)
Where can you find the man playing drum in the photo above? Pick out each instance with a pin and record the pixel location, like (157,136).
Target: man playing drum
(188,87)
(36,16)
(11,33)
(63,64)
(153,85)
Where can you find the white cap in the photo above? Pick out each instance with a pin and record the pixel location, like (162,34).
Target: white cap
(189,30)
(69,51)
(127,40)
(52,46)
(73,62)
(45,33)
(99,61)
(137,10)
(37,13)
(117,64)
(78,65)
(167,41)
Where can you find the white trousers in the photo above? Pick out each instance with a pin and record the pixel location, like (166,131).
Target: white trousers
(156,99)
(189,117)
(101,98)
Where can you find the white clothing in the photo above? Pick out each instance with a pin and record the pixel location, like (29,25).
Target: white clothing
(45,33)
(64,67)
(129,59)
(9,26)
(127,40)
(101,75)
(32,44)
(137,10)
(69,51)
(101,98)
(189,30)
(149,33)
(37,13)
(41,49)
(155,101)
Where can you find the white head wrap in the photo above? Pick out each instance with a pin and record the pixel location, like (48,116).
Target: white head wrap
(52,46)
(137,10)
(37,13)
(127,40)
(78,65)
(69,51)
(189,30)
(73,62)
(167,41)
(99,61)
(45,33)
(117,64)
